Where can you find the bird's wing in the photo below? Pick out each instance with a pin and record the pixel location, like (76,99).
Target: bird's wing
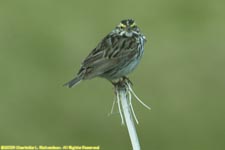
(109,53)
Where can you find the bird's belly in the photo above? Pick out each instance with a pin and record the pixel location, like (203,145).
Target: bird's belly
(130,67)
(121,71)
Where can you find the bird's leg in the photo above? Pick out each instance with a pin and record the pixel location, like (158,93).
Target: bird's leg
(124,78)
(113,83)
(121,81)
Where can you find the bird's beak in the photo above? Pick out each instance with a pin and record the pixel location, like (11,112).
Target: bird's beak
(128,29)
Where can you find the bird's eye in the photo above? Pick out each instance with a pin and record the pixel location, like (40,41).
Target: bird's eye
(122,26)
(133,25)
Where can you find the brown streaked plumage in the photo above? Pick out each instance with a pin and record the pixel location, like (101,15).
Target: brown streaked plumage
(115,56)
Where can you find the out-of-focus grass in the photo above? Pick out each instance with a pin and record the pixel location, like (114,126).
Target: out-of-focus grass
(181,76)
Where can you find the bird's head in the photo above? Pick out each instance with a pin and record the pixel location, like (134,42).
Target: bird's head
(127,28)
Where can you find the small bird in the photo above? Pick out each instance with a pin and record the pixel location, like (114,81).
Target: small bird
(115,56)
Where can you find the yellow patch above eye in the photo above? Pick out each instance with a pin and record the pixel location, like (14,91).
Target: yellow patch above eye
(133,25)
(122,25)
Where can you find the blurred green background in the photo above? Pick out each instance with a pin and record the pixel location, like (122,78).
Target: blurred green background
(181,76)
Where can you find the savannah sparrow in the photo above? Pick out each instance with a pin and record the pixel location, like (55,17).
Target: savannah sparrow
(115,56)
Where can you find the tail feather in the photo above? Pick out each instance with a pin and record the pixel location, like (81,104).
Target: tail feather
(73,82)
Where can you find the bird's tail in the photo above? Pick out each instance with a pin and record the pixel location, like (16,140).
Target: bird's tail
(73,82)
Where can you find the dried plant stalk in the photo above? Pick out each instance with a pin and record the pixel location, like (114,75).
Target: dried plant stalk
(124,101)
